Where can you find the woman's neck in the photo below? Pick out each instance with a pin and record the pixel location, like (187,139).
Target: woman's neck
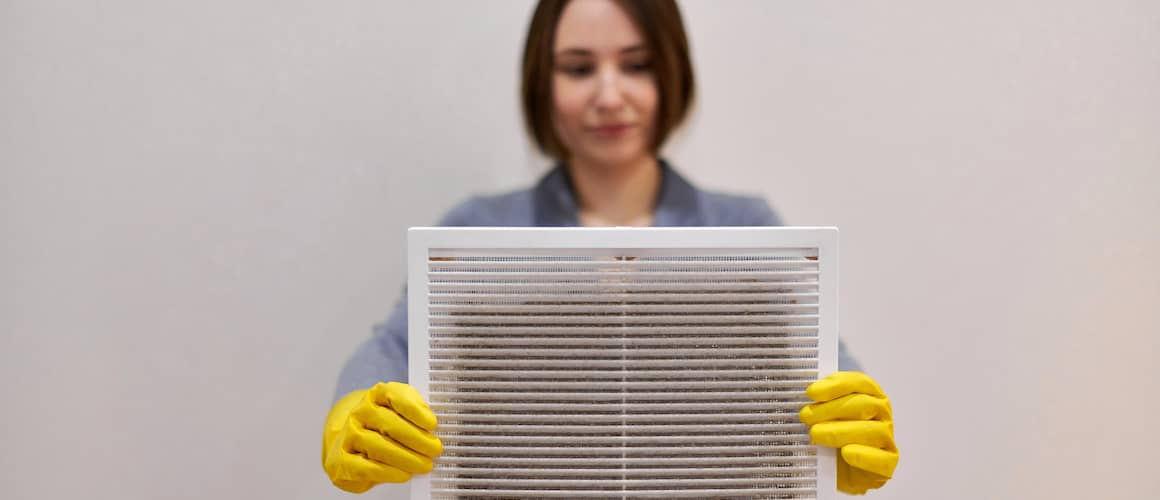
(623,195)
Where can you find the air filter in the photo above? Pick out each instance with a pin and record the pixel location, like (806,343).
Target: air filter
(623,363)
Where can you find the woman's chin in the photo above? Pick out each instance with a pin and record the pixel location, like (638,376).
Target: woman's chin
(616,155)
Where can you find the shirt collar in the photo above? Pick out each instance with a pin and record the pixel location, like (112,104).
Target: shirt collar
(555,201)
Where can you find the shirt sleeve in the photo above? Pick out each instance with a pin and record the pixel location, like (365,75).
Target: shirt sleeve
(383,357)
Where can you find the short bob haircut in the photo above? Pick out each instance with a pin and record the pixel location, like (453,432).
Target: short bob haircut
(659,22)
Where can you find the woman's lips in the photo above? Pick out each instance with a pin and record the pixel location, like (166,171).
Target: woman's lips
(612,130)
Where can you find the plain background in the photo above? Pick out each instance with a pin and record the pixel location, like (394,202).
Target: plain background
(203,208)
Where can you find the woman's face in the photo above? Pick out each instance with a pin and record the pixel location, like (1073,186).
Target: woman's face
(603,91)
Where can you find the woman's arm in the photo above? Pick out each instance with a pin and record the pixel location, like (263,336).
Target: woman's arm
(381,358)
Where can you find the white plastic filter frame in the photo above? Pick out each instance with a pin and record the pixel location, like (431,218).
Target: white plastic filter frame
(424,242)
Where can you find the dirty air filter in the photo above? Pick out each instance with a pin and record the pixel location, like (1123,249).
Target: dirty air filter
(623,363)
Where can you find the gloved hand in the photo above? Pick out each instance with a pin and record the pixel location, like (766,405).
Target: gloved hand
(380,435)
(852,413)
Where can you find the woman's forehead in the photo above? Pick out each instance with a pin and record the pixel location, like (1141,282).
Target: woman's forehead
(596,26)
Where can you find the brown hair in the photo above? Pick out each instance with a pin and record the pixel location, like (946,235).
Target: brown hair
(659,21)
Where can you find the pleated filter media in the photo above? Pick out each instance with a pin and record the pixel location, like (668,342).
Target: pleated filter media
(623,363)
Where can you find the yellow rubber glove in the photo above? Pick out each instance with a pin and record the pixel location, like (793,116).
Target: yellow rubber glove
(852,413)
(380,435)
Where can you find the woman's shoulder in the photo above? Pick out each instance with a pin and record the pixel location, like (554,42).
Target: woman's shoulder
(733,209)
(705,207)
(513,208)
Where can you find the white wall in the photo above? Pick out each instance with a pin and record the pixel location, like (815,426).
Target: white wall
(203,208)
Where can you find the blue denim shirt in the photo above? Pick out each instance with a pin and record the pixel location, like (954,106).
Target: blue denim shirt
(550,203)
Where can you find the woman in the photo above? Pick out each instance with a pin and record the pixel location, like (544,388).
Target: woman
(604,83)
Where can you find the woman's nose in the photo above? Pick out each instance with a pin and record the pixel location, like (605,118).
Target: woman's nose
(609,94)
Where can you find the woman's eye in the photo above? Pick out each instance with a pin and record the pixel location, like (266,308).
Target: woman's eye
(638,67)
(577,70)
